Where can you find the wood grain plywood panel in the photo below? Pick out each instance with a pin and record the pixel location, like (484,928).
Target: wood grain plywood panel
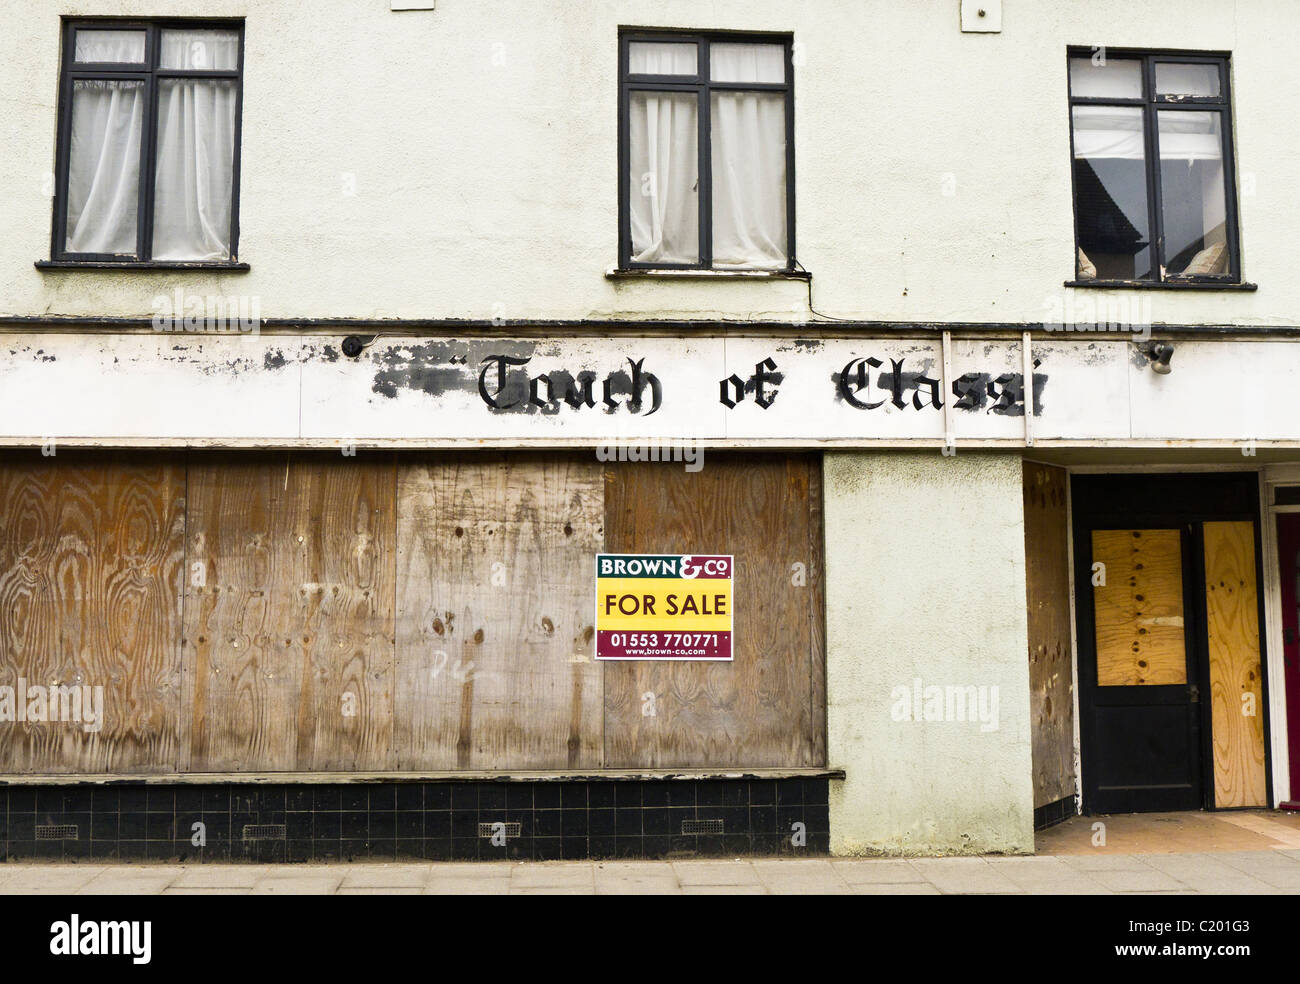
(1047,584)
(767,707)
(91,549)
(290,622)
(496,569)
(1236,681)
(1139,610)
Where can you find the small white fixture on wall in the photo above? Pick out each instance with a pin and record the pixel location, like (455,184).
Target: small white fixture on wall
(412,4)
(981,16)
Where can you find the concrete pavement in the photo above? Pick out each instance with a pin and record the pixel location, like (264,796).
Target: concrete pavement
(1274,872)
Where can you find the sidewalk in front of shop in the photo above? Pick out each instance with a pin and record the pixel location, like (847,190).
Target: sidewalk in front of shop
(1250,853)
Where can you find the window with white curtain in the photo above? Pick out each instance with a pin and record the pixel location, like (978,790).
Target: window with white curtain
(706,154)
(1153,189)
(149,142)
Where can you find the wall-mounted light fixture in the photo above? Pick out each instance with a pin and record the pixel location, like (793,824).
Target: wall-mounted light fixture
(1158,354)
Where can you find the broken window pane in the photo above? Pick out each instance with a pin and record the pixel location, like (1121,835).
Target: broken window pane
(1110,187)
(1187,80)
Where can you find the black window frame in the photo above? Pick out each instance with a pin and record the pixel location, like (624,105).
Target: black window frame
(703,86)
(149,73)
(1150,103)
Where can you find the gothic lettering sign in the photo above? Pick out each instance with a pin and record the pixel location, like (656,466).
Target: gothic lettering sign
(664,607)
(620,388)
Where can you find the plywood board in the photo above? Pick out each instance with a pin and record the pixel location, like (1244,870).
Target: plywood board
(767,707)
(1047,584)
(1236,681)
(90,560)
(1139,609)
(495,582)
(289,623)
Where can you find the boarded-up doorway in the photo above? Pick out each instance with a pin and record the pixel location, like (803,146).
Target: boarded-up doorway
(1172,710)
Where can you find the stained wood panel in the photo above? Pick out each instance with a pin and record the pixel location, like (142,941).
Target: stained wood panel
(90,558)
(289,622)
(1139,610)
(495,587)
(767,708)
(1232,621)
(1047,584)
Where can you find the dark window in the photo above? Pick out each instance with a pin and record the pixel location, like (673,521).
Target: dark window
(1154,194)
(148,153)
(706,150)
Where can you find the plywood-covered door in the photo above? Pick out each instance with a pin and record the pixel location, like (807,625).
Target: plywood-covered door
(1140,672)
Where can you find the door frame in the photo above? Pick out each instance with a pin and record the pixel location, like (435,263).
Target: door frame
(1271,478)
(1268,605)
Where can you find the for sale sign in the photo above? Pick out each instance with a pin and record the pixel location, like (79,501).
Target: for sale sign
(656,606)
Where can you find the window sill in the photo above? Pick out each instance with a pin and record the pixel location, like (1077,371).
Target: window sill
(225,267)
(648,273)
(1161,285)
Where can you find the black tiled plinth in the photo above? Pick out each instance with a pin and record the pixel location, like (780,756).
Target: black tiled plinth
(430,820)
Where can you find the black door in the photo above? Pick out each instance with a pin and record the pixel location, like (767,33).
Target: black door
(1140,607)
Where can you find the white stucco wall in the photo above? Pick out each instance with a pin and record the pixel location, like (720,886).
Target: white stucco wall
(925,580)
(482,140)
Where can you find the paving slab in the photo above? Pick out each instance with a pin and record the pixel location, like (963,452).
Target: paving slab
(48,879)
(896,888)
(873,872)
(414,876)
(709,873)
(221,876)
(462,885)
(964,876)
(1206,873)
(1272,867)
(549,875)
(1105,862)
(1150,880)
(635,878)
(129,880)
(800,877)
(1047,876)
(298,884)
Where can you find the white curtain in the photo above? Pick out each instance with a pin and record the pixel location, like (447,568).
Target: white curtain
(1116,132)
(748,153)
(109,45)
(104,151)
(663,177)
(194,175)
(662,58)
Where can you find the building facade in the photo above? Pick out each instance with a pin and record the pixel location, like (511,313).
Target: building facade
(342,340)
